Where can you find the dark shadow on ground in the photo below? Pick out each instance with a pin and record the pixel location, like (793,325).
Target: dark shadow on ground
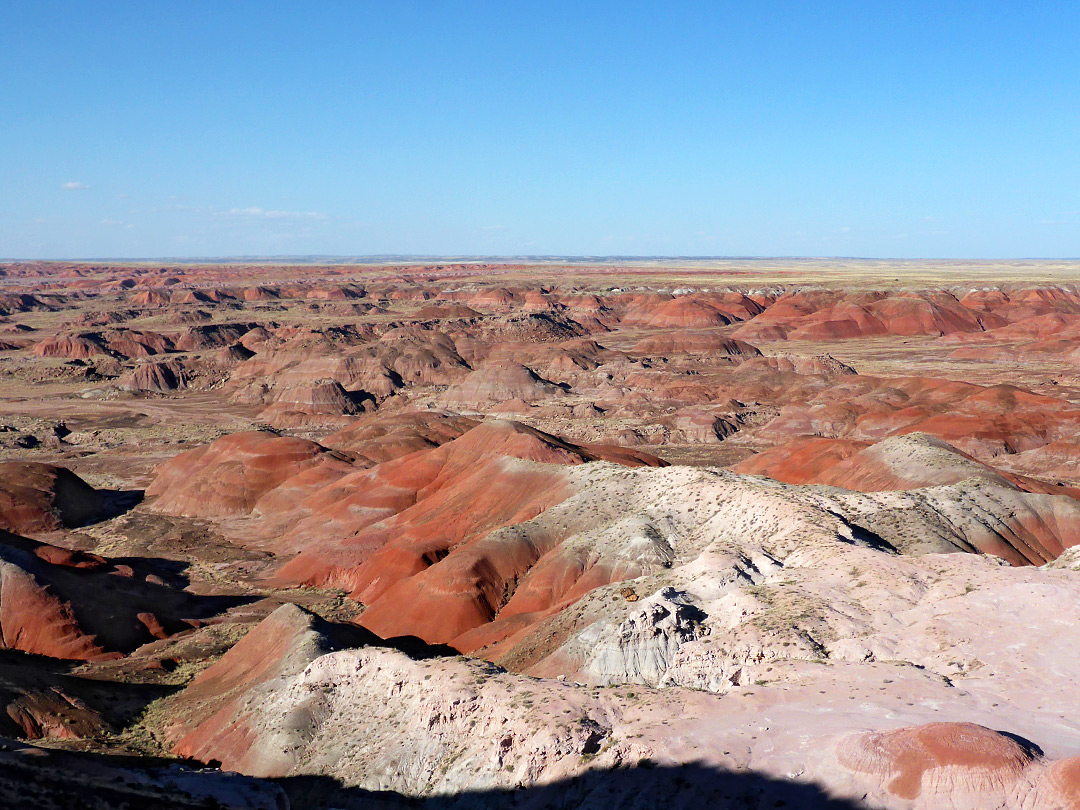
(115,502)
(124,604)
(38,693)
(645,786)
(414,647)
(49,780)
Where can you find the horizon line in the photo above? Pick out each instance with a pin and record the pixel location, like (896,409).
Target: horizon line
(464,258)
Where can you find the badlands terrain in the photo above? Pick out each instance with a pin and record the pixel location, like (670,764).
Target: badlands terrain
(549,534)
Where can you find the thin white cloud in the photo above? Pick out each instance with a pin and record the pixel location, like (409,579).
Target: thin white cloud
(74,185)
(1060,218)
(273,214)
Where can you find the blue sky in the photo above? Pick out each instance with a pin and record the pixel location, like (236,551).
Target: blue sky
(900,129)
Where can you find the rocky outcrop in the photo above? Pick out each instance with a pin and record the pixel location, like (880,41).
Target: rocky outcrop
(158,378)
(643,647)
(212,336)
(73,347)
(322,402)
(36,497)
(497,382)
